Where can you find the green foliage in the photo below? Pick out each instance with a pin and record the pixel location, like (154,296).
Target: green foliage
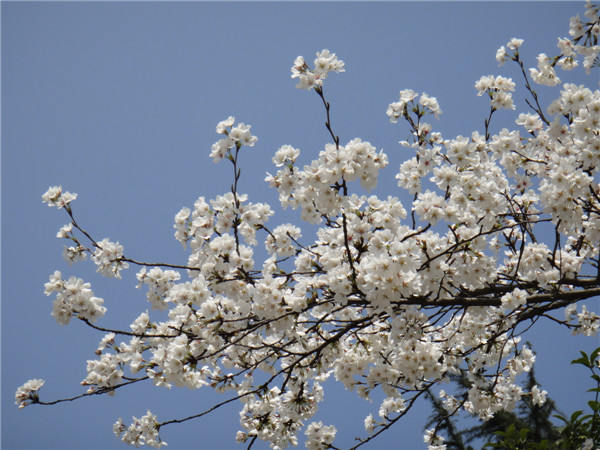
(515,439)
(582,426)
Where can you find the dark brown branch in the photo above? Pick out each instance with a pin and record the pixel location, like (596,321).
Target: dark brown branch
(128,333)
(100,391)
(171,266)
(462,301)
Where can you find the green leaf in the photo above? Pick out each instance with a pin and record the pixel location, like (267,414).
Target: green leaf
(594,354)
(594,405)
(575,416)
(559,417)
(583,360)
(523,434)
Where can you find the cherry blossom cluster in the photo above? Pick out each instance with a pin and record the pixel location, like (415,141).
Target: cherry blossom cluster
(320,436)
(583,41)
(433,440)
(234,137)
(28,393)
(108,258)
(143,431)
(277,417)
(103,373)
(388,297)
(316,188)
(406,104)
(588,321)
(55,196)
(499,90)
(73,298)
(313,78)
(159,282)
(589,30)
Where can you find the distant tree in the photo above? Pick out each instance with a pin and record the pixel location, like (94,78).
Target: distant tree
(535,418)
(531,427)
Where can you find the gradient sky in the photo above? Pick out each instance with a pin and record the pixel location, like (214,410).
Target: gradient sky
(118,102)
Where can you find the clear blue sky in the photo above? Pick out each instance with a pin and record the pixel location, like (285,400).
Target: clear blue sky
(118,102)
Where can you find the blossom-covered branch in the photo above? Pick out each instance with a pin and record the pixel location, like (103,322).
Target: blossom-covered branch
(387,297)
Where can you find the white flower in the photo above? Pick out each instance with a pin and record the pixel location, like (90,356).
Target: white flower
(538,397)
(430,207)
(430,105)
(588,444)
(434,441)
(234,136)
(103,373)
(545,73)
(499,90)
(324,63)
(241,133)
(398,109)
(281,241)
(391,405)
(64,231)
(108,258)
(55,196)
(143,431)
(514,299)
(566,46)
(220,148)
(224,124)
(369,423)
(286,155)
(515,43)
(501,55)
(319,436)
(159,283)
(55,284)
(576,27)
(73,297)
(530,122)
(74,254)
(28,393)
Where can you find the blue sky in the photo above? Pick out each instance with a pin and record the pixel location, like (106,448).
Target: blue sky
(118,101)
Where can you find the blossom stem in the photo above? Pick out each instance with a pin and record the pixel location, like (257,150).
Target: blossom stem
(537,108)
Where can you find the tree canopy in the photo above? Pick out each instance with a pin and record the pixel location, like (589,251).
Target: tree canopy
(503,231)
